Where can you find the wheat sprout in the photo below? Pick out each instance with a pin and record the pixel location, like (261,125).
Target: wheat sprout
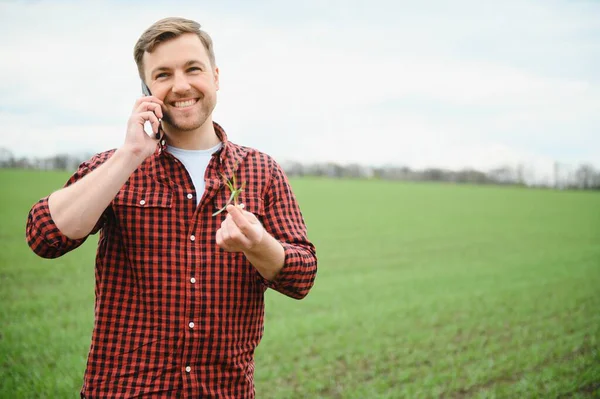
(235,192)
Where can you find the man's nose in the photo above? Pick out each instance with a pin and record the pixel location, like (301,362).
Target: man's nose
(180,83)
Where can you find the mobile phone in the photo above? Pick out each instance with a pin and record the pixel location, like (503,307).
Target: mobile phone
(146,89)
(146,92)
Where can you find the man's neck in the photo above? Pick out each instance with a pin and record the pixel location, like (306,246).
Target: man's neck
(202,138)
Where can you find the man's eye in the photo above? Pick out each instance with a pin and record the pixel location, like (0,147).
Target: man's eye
(161,75)
(195,69)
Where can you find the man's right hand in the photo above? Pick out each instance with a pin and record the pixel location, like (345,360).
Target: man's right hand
(137,141)
(77,208)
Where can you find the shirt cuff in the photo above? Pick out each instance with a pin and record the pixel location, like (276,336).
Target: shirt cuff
(47,240)
(297,276)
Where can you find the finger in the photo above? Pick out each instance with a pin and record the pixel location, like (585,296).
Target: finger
(229,225)
(236,238)
(160,132)
(147,99)
(246,222)
(157,128)
(224,231)
(222,243)
(238,217)
(250,230)
(150,106)
(219,239)
(150,117)
(232,235)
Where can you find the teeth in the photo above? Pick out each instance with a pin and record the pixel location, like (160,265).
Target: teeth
(182,104)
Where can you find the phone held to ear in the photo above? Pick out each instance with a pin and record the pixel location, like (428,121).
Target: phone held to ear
(146,92)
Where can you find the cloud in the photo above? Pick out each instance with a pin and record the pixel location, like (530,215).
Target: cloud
(467,84)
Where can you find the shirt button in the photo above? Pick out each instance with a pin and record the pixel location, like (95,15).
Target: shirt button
(142,202)
(193,237)
(188,369)
(190,196)
(191,324)
(193,280)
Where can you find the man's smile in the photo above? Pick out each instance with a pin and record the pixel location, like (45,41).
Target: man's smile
(184,103)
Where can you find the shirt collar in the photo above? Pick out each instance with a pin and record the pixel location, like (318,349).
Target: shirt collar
(229,155)
(163,143)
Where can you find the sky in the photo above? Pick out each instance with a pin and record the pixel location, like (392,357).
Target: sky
(453,84)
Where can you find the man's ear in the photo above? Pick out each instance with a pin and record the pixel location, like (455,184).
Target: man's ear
(216,73)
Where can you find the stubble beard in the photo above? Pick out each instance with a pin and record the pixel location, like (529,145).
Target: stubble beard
(194,122)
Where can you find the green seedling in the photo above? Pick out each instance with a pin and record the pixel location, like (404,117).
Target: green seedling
(235,192)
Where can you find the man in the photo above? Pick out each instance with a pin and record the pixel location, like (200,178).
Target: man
(179,286)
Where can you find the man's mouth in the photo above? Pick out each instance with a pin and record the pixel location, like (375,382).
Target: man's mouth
(186,103)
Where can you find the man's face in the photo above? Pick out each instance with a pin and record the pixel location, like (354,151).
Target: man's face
(179,73)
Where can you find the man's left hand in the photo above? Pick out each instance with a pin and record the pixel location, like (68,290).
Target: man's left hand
(241,231)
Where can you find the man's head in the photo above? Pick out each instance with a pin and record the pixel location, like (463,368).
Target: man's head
(176,60)
(166,29)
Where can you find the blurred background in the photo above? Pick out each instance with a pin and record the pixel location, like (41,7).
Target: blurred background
(455,85)
(446,156)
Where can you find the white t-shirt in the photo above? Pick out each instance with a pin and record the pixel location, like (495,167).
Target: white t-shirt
(195,161)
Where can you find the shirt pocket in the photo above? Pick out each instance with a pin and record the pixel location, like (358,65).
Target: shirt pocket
(144,219)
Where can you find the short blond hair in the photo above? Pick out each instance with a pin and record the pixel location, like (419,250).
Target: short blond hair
(168,29)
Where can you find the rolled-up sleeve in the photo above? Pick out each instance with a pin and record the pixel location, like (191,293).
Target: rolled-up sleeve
(283,219)
(42,235)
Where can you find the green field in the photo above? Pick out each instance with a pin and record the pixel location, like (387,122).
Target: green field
(424,291)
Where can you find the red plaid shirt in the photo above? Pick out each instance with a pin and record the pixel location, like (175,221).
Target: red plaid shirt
(175,315)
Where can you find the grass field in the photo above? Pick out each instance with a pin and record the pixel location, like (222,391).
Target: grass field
(424,291)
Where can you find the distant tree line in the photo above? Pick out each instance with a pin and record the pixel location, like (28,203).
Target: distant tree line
(55,162)
(584,176)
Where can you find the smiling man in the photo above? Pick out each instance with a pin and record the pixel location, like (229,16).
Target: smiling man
(179,286)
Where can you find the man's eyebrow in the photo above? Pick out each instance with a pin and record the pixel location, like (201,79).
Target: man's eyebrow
(192,62)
